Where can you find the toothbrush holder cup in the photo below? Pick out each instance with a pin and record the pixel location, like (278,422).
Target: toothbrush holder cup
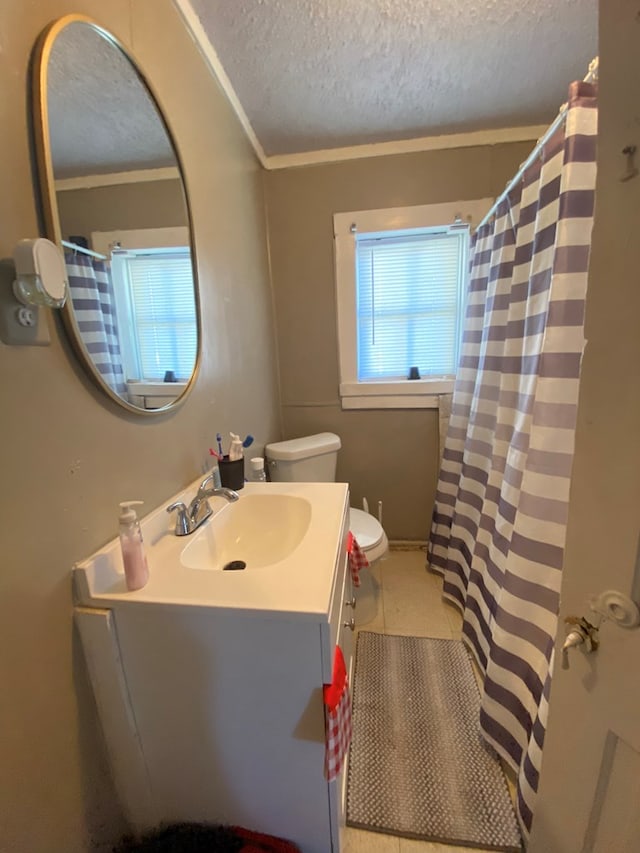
(231,473)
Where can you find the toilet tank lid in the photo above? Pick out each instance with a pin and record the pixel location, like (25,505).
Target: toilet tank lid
(303,448)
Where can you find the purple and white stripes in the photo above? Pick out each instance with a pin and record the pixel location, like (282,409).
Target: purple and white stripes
(94,310)
(499,523)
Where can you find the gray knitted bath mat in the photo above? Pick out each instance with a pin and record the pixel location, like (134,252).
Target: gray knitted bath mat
(418,766)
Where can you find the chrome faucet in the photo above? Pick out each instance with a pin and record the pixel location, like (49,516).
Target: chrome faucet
(204,491)
(190,518)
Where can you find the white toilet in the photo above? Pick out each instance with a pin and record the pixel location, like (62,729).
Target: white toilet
(312,459)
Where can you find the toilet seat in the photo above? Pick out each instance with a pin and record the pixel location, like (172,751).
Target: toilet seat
(369,533)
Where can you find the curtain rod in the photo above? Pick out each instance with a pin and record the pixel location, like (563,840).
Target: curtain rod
(82,250)
(592,74)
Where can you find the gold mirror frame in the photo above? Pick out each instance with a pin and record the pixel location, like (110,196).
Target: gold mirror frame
(49,204)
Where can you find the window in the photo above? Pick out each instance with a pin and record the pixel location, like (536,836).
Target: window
(409,286)
(155,288)
(401,278)
(155,301)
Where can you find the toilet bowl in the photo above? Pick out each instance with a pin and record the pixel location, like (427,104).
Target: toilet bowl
(372,539)
(313,459)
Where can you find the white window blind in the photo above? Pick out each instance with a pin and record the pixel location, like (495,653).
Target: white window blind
(409,297)
(164,312)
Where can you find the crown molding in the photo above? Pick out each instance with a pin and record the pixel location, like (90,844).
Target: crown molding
(407,146)
(136,176)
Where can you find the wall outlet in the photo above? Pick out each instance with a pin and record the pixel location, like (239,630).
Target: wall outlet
(20,325)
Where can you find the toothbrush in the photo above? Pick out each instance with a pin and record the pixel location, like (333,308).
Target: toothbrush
(213,452)
(248,441)
(219,440)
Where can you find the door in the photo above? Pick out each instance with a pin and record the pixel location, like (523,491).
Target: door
(589,794)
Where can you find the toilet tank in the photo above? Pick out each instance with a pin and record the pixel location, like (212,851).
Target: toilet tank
(310,459)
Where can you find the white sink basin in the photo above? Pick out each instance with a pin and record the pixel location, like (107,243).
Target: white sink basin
(288,534)
(257,530)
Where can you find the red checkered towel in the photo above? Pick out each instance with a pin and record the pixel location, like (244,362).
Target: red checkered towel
(357,558)
(337,717)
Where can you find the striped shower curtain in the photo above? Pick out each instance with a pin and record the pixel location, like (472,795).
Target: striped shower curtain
(94,309)
(498,530)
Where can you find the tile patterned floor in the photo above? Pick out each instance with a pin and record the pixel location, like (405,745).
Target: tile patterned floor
(409,603)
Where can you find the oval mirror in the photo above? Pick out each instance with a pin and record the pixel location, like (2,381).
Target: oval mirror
(113,196)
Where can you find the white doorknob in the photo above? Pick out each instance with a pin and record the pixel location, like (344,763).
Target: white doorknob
(610,604)
(581,633)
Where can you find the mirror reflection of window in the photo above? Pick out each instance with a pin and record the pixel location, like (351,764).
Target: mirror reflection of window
(156,312)
(155,303)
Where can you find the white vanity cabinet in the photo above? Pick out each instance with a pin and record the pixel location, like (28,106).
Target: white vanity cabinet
(216,713)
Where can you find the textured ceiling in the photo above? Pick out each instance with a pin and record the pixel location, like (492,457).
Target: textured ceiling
(322,74)
(101,118)
(316,74)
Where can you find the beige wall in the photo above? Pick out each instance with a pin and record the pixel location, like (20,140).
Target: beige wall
(126,207)
(388,455)
(67,456)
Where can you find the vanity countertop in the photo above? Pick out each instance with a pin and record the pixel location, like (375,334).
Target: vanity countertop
(300,583)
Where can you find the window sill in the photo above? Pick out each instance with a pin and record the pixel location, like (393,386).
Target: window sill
(403,394)
(154,395)
(156,389)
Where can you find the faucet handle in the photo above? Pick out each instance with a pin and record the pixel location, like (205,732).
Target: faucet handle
(183,522)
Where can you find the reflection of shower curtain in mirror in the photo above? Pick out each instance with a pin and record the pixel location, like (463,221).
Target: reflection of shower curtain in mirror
(499,521)
(93,302)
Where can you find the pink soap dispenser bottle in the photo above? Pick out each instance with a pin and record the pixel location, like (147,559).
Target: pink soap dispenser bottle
(136,570)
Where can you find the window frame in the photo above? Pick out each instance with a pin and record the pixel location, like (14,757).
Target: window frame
(374,394)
